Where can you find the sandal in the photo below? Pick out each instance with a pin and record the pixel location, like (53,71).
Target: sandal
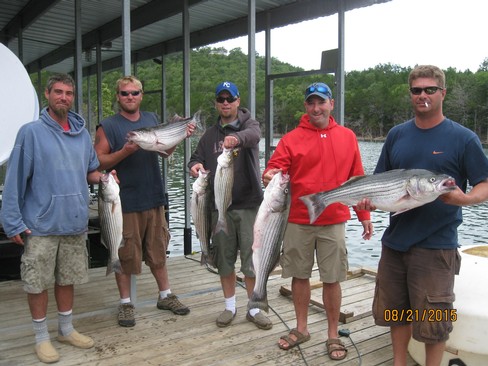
(336,345)
(300,338)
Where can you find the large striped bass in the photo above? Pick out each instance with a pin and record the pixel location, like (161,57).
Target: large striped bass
(269,228)
(223,183)
(110,214)
(165,135)
(395,191)
(200,212)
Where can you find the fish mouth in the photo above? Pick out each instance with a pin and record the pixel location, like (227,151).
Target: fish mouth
(448,184)
(104,178)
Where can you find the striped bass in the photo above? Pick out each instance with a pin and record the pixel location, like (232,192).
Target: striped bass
(200,212)
(395,191)
(223,183)
(165,135)
(269,228)
(110,213)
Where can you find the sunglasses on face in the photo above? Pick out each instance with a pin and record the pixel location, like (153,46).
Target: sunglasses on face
(227,99)
(320,89)
(134,93)
(428,90)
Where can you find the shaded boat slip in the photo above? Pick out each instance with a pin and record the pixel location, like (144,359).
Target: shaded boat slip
(162,338)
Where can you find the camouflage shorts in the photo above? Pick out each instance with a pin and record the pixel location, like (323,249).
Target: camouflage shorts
(46,259)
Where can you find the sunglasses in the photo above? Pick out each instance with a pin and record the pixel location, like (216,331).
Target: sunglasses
(134,93)
(320,89)
(227,99)
(428,90)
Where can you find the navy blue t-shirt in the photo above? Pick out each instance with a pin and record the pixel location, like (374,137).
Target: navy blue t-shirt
(447,148)
(141,182)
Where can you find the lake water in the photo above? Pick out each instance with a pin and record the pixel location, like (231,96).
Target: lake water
(362,252)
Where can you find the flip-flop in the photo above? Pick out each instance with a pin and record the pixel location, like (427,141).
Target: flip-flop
(333,345)
(300,338)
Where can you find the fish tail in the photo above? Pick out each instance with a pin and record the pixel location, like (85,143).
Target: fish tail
(198,123)
(258,302)
(315,206)
(221,226)
(109,268)
(117,267)
(203,260)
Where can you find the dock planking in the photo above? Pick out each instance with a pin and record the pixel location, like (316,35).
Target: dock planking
(162,338)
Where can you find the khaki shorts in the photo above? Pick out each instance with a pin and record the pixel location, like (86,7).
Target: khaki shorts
(303,242)
(417,287)
(240,225)
(46,259)
(146,237)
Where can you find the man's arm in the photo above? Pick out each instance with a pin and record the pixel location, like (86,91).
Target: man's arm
(107,158)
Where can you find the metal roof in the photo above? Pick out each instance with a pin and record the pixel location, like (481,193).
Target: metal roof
(45,29)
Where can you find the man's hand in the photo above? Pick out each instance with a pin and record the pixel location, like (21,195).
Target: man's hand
(269,175)
(195,169)
(17,239)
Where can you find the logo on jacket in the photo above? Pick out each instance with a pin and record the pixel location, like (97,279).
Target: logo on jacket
(435,152)
(323,135)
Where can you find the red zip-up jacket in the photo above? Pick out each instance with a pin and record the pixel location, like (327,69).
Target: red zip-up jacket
(318,160)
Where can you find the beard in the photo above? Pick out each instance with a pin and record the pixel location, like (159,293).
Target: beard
(60,111)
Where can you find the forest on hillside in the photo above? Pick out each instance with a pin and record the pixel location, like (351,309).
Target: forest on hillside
(375,99)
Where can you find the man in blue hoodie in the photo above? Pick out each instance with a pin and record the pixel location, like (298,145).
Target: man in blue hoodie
(45,208)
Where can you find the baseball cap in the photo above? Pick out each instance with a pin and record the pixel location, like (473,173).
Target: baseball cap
(228,86)
(319,89)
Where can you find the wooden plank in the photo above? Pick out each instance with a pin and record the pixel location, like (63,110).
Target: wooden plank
(160,337)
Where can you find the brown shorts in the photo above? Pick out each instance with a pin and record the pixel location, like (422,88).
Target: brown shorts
(146,237)
(416,287)
(303,242)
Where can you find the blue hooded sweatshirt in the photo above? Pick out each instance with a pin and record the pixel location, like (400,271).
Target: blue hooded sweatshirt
(46,188)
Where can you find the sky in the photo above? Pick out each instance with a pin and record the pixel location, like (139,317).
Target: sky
(445,33)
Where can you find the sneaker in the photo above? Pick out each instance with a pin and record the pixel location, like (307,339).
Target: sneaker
(76,339)
(126,315)
(46,352)
(225,318)
(171,302)
(261,320)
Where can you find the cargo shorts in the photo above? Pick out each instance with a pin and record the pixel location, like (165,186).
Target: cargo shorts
(146,237)
(417,287)
(47,259)
(302,243)
(226,247)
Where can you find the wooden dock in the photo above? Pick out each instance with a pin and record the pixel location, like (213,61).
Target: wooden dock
(162,338)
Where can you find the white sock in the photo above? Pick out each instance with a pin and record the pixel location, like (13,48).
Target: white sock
(125,300)
(230,304)
(254,311)
(164,294)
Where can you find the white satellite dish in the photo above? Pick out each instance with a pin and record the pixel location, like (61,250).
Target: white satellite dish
(18,100)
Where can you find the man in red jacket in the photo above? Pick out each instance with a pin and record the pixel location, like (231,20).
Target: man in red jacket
(319,155)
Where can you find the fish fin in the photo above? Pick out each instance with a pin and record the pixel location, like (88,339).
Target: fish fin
(401,211)
(315,206)
(122,243)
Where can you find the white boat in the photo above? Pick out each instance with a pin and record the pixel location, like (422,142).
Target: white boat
(468,341)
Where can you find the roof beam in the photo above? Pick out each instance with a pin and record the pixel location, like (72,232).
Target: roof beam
(290,14)
(29,13)
(142,16)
